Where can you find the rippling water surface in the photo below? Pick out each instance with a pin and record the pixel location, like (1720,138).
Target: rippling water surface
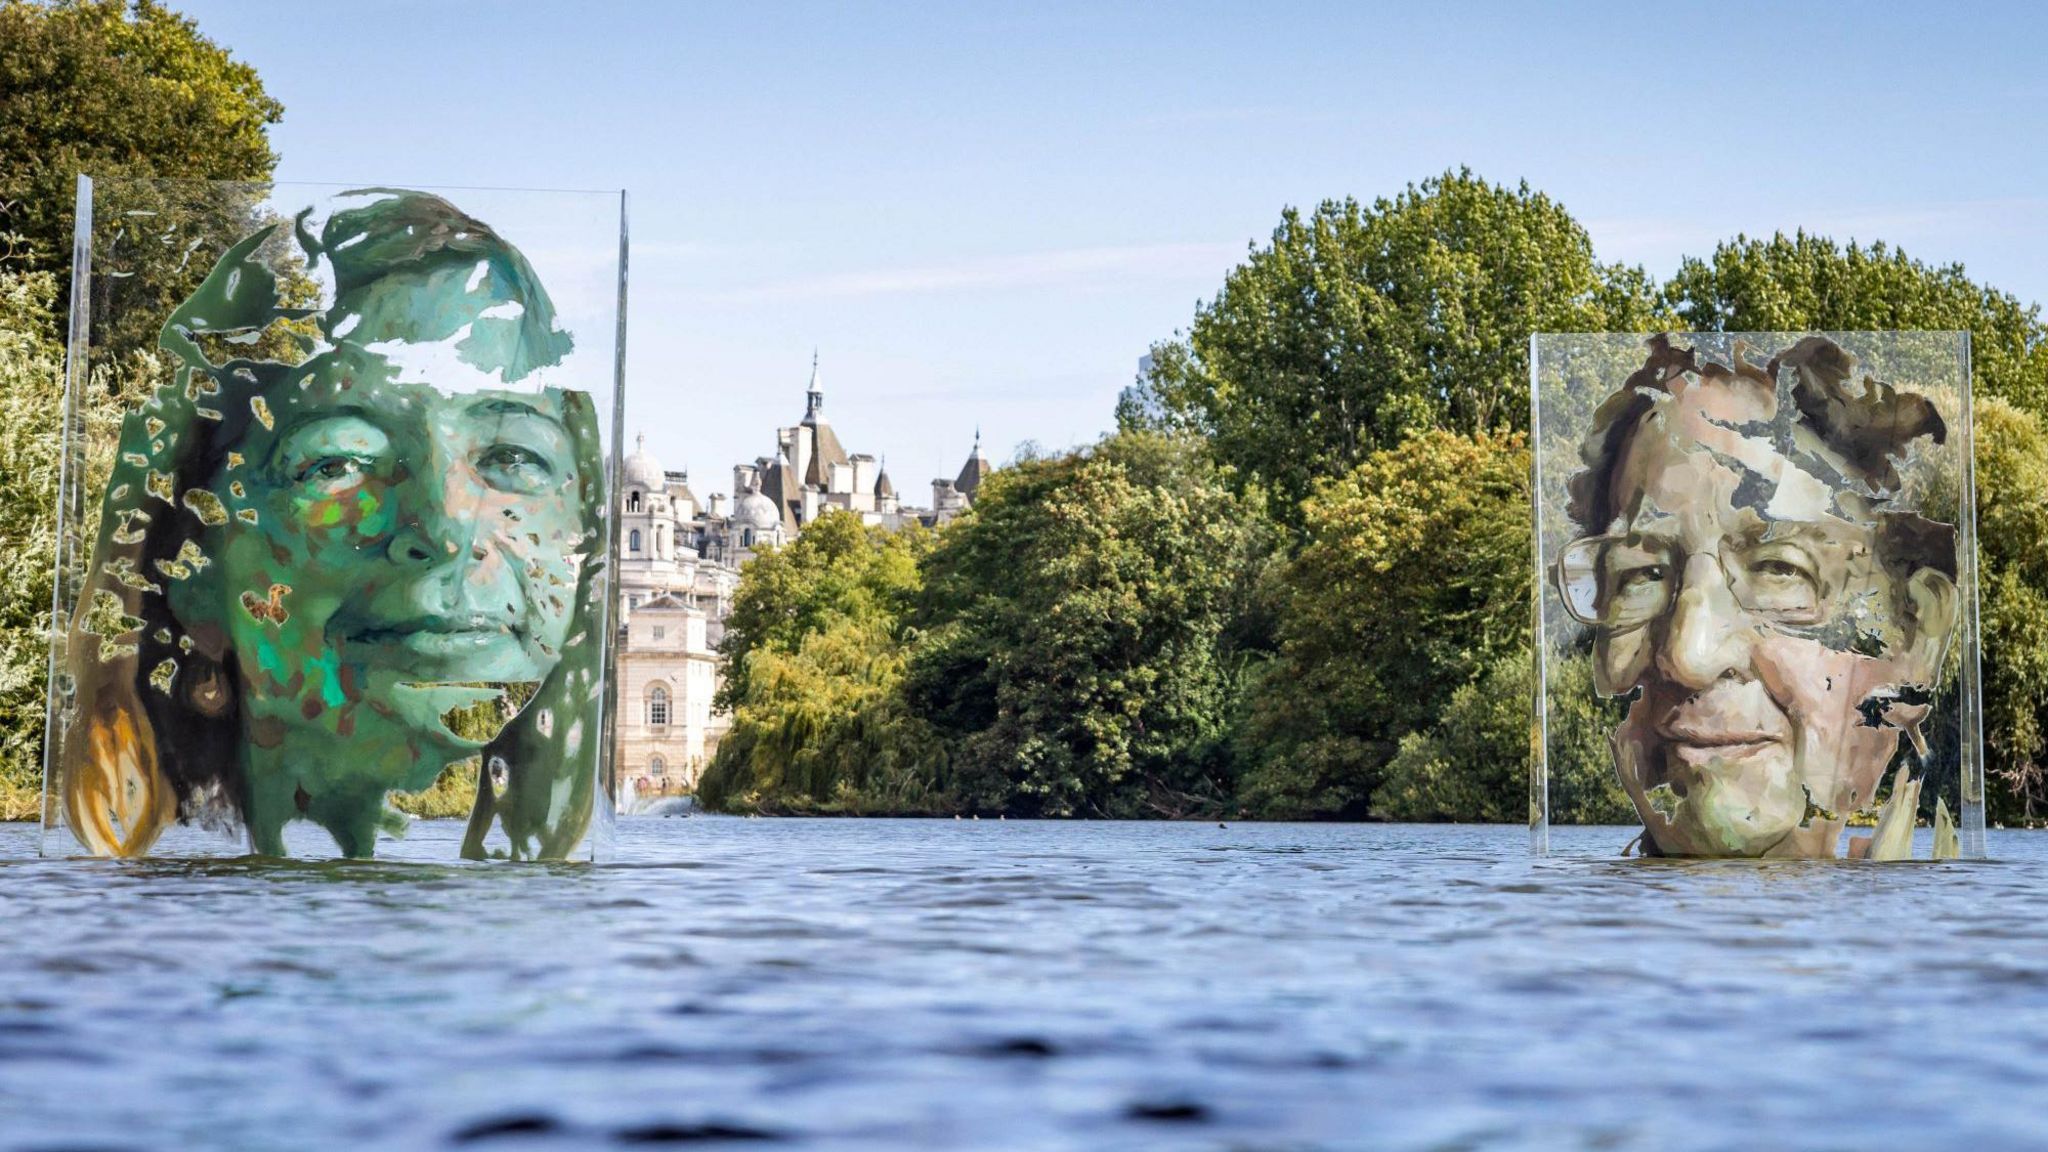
(885,985)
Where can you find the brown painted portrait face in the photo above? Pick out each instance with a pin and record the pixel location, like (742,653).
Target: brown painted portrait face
(1777,635)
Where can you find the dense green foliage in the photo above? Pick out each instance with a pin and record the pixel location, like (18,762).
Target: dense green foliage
(1473,764)
(1810,283)
(1358,326)
(31,406)
(114,88)
(815,655)
(2012,528)
(1415,575)
(1073,635)
(1109,633)
(31,423)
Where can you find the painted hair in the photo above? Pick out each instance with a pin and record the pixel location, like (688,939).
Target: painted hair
(149,729)
(1867,427)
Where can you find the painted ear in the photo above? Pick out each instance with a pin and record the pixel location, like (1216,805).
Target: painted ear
(1935,606)
(114,796)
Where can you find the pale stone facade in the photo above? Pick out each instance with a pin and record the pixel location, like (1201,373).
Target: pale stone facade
(668,674)
(672,604)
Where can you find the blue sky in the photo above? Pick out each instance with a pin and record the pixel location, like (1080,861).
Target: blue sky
(984,214)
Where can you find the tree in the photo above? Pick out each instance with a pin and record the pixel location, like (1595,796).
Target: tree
(1073,639)
(1809,283)
(31,427)
(1414,577)
(1357,327)
(825,729)
(838,568)
(814,659)
(114,88)
(31,404)
(2012,528)
(110,89)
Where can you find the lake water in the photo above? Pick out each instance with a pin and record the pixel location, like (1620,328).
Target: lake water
(866,984)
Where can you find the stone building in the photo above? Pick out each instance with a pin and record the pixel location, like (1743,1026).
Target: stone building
(672,603)
(679,564)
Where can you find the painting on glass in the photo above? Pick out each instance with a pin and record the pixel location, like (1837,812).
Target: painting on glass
(351,535)
(1756,592)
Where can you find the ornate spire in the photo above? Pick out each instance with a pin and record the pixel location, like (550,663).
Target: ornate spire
(814,399)
(975,470)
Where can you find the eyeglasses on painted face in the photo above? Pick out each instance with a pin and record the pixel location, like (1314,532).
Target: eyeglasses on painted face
(1627,580)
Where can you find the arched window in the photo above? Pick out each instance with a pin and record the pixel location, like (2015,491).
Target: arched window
(633,503)
(747,538)
(657,707)
(657,767)
(633,540)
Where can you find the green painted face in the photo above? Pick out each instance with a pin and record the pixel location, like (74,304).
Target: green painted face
(383,545)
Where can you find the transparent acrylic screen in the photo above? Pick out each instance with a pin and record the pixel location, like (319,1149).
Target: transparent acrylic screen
(335,518)
(1757,593)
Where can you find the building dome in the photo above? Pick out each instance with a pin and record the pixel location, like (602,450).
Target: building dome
(757,512)
(642,469)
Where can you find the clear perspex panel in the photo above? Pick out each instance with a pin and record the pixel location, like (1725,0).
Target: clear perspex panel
(1756,627)
(335,527)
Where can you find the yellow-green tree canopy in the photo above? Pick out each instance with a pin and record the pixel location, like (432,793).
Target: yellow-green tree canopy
(814,656)
(2012,527)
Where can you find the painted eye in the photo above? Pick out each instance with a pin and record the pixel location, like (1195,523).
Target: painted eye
(516,467)
(1780,585)
(331,470)
(1638,580)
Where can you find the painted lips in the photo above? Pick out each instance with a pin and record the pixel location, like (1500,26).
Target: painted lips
(437,636)
(1714,727)
(1700,744)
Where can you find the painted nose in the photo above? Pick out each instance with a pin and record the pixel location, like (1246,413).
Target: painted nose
(428,524)
(1705,638)
(410,547)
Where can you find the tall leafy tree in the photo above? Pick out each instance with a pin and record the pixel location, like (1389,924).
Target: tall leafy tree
(1074,635)
(1474,763)
(2012,527)
(116,88)
(1357,326)
(31,427)
(837,569)
(110,89)
(1803,282)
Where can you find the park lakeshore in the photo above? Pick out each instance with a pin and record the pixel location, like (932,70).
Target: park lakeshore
(1293,583)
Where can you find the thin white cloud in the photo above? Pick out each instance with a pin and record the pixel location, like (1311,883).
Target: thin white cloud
(1054,268)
